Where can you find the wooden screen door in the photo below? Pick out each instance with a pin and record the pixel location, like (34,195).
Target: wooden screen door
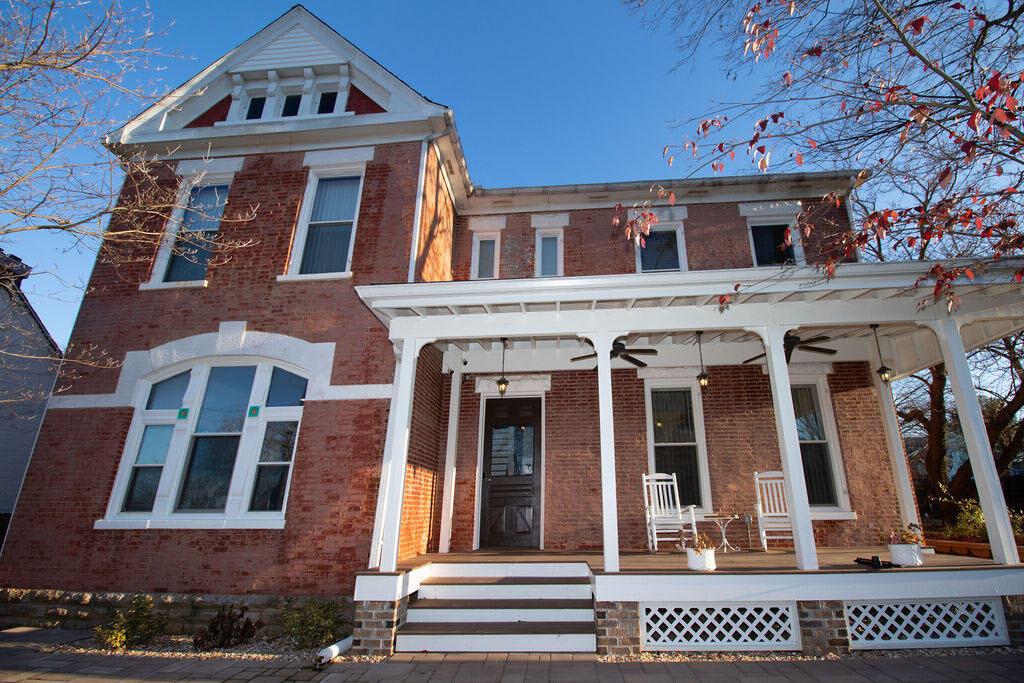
(511,473)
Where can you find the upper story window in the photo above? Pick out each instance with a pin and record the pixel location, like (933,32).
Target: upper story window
(663,250)
(328,101)
(210,446)
(325,235)
(549,253)
(771,246)
(197,232)
(191,231)
(291,105)
(255,109)
(485,255)
(289,93)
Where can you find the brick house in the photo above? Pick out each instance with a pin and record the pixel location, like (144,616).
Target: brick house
(319,414)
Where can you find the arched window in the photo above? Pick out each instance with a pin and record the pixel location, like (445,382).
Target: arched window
(211,446)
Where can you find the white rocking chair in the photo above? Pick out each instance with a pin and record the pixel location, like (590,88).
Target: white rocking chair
(666,518)
(772,514)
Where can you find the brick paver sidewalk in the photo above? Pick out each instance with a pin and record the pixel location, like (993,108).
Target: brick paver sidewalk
(22,660)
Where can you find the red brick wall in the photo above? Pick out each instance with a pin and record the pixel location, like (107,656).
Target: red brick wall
(739,425)
(216,113)
(424,472)
(326,538)
(437,213)
(716,237)
(361,103)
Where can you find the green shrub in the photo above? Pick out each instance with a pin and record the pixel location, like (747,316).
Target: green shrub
(313,624)
(969,522)
(229,627)
(129,628)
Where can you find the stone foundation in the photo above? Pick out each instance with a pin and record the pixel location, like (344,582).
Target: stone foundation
(375,624)
(185,613)
(618,628)
(823,627)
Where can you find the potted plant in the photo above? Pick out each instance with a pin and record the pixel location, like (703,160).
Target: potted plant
(700,552)
(905,546)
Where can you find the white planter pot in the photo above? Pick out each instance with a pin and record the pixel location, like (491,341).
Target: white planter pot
(906,554)
(702,561)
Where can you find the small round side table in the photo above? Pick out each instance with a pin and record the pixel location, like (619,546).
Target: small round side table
(723,521)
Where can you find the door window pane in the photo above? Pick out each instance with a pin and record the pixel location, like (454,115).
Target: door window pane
(660,251)
(168,394)
(548,256)
(485,259)
(226,399)
(208,473)
(511,450)
(675,441)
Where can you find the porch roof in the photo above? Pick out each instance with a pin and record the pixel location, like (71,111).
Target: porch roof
(657,308)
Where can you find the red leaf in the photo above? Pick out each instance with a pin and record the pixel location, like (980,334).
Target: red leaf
(672,198)
(813,52)
(787,78)
(968,273)
(799,159)
(945,177)
(917,25)
(813,144)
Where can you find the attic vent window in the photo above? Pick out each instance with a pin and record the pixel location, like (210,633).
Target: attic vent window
(291,105)
(255,110)
(328,100)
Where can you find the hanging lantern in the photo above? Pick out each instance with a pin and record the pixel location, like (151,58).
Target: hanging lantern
(884,372)
(503,381)
(703,379)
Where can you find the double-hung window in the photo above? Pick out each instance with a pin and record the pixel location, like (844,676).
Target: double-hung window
(486,254)
(327,246)
(197,232)
(820,465)
(663,251)
(771,246)
(549,253)
(211,446)
(676,440)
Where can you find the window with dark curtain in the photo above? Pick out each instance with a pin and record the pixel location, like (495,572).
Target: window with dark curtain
(660,251)
(675,441)
(329,233)
(770,246)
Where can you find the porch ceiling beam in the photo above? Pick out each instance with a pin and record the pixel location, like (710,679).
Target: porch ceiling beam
(791,315)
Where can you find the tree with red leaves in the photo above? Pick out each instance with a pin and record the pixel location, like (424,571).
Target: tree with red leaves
(921,98)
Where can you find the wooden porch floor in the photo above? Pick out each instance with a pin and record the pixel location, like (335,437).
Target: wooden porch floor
(772,561)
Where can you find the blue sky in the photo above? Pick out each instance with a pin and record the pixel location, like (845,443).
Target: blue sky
(543,93)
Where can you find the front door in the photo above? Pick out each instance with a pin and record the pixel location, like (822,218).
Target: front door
(511,481)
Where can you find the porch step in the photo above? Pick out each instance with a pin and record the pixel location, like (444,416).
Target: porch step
(532,636)
(479,611)
(506,588)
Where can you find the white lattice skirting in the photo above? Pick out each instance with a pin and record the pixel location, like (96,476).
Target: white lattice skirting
(720,626)
(888,624)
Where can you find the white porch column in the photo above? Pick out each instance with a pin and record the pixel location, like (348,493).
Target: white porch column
(385,467)
(897,451)
(979,450)
(396,456)
(789,446)
(609,500)
(448,496)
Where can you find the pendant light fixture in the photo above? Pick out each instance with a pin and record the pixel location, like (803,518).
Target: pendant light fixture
(883,371)
(703,379)
(503,381)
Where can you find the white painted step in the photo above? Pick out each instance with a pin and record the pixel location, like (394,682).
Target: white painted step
(506,588)
(490,637)
(475,611)
(545,569)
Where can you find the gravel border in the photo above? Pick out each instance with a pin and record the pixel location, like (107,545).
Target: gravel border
(783,656)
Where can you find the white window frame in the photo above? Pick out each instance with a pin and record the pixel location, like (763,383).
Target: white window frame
(236,514)
(794,236)
(707,504)
(680,248)
(327,164)
(824,396)
(192,174)
(479,237)
(538,240)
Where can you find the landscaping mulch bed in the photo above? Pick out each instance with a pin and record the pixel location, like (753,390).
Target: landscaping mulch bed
(797,656)
(259,649)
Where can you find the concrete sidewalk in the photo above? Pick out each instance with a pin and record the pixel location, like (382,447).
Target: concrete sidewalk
(22,660)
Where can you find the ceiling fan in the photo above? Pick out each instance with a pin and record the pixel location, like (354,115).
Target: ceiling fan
(619,350)
(791,342)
